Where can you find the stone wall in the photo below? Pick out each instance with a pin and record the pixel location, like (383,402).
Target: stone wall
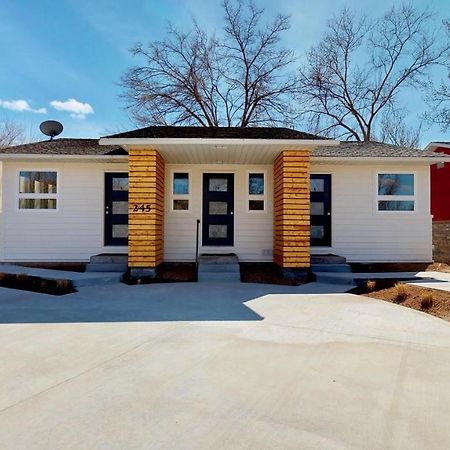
(441,241)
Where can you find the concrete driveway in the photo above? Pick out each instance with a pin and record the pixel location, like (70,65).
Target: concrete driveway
(231,366)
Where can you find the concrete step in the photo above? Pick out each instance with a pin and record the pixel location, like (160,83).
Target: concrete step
(218,276)
(331,268)
(109,258)
(218,268)
(335,278)
(328,259)
(230,258)
(98,279)
(106,267)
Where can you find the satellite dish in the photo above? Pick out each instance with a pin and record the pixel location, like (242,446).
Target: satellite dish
(51,128)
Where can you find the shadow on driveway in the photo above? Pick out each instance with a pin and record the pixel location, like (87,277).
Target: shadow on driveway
(145,303)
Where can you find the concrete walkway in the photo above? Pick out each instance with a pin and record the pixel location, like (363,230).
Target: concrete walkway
(351,278)
(79,279)
(433,280)
(231,366)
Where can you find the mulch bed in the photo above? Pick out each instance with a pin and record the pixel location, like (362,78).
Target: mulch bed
(399,267)
(167,273)
(388,267)
(386,290)
(31,283)
(267,273)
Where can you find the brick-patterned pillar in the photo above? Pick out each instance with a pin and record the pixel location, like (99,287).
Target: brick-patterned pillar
(146,211)
(291,210)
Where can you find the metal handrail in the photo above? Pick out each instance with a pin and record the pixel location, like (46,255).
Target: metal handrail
(196,249)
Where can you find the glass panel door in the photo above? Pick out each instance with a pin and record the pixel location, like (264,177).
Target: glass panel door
(218,209)
(320,210)
(116,209)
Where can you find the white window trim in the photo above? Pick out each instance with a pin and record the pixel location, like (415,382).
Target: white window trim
(395,198)
(255,196)
(42,196)
(180,196)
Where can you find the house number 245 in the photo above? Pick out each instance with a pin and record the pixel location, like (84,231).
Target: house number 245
(142,207)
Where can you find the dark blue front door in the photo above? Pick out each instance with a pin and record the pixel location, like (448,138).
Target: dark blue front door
(320,210)
(116,208)
(218,209)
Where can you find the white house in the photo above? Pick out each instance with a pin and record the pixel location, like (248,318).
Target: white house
(265,194)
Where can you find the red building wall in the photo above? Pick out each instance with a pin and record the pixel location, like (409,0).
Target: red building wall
(440,190)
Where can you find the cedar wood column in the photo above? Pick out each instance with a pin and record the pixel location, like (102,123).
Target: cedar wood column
(291,210)
(145,211)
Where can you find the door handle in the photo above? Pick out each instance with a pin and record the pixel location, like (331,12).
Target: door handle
(328,213)
(231,213)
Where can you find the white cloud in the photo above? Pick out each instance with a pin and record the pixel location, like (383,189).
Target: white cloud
(77,109)
(21,106)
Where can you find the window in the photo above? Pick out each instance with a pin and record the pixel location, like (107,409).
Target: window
(181,183)
(256,192)
(317,185)
(218,185)
(180,191)
(395,192)
(37,190)
(120,184)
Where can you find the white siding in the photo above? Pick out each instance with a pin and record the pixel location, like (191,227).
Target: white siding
(253,231)
(75,231)
(360,232)
(72,233)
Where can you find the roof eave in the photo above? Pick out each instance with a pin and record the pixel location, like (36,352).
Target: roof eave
(382,159)
(147,142)
(23,156)
(434,145)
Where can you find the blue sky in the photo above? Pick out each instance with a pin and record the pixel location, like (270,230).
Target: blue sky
(63,60)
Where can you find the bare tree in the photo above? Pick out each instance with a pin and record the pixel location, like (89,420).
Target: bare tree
(439,96)
(241,78)
(393,130)
(11,133)
(354,76)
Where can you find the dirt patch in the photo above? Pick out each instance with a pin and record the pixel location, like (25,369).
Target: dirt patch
(388,267)
(31,283)
(399,267)
(173,272)
(438,267)
(269,273)
(431,301)
(167,273)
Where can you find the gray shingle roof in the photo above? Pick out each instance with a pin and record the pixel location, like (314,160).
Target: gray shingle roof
(65,146)
(370,150)
(216,133)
